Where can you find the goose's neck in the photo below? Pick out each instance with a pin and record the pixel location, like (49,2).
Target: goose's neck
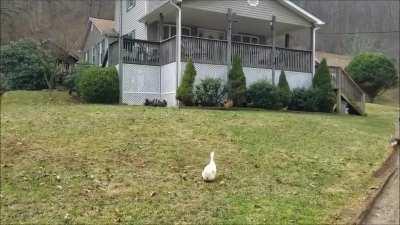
(212,156)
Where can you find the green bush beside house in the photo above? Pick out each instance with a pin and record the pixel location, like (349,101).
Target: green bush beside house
(185,89)
(284,89)
(319,98)
(209,92)
(236,86)
(98,85)
(263,94)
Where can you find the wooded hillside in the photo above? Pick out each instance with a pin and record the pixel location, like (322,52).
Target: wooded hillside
(352,26)
(358,25)
(63,21)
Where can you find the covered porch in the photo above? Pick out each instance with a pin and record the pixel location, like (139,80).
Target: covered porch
(209,32)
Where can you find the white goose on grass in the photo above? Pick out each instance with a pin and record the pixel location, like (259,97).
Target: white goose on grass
(210,171)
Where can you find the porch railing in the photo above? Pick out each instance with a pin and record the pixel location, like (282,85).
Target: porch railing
(168,51)
(210,51)
(207,51)
(141,52)
(293,60)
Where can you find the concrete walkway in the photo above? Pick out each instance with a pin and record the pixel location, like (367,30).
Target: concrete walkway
(386,208)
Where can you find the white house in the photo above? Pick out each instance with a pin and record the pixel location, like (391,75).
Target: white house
(158,37)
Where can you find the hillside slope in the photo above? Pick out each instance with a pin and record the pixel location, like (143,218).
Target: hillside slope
(356,26)
(59,20)
(351,26)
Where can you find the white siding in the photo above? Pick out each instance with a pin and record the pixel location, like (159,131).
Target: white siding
(294,79)
(208,70)
(264,10)
(168,83)
(130,18)
(116,15)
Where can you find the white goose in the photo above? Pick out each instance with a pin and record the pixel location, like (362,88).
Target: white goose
(210,171)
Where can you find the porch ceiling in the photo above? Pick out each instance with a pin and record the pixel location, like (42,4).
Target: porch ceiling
(218,21)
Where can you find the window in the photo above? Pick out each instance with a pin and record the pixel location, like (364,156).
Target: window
(130,4)
(211,34)
(170,31)
(246,38)
(237,38)
(186,31)
(287,38)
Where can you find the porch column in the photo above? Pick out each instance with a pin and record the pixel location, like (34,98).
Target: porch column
(273,48)
(339,90)
(161,27)
(312,45)
(178,46)
(120,53)
(229,39)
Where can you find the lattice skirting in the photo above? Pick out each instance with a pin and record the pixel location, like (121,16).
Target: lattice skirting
(138,98)
(142,81)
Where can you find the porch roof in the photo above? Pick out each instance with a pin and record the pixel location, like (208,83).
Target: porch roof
(300,11)
(168,8)
(218,21)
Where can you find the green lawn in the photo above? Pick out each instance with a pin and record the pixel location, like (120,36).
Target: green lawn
(66,162)
(389,97)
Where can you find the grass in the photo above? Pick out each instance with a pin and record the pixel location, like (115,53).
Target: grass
(72,163)
(389,97)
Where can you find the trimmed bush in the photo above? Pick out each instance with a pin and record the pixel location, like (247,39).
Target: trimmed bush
(311,100)
(322,77)
(25,66)
(236,86)
(99,85)
(298,99)
(185,89)
(322,100)
(262,94)
(283,86)
(209,92)
(319,100)
(374,72)
(322,96)
(72,79)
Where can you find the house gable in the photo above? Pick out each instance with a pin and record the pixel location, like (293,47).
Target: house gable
(93,37)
